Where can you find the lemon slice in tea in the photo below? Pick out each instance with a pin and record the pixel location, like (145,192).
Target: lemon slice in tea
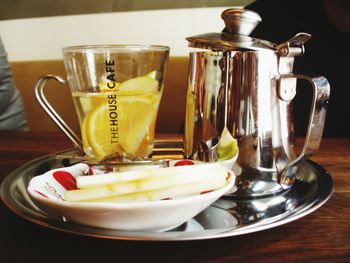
(139,85)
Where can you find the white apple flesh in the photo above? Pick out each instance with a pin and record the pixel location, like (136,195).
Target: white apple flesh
(150,184)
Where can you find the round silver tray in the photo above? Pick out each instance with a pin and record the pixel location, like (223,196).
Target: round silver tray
(226,217)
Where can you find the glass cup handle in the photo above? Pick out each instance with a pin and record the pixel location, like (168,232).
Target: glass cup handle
(321,91)
(40,96)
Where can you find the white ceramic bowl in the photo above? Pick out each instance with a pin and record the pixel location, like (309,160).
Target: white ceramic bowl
(230,162)
(47,191)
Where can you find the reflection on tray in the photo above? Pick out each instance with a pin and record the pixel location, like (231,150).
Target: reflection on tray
(226,217)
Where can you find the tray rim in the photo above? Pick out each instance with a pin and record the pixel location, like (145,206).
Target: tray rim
(44,220)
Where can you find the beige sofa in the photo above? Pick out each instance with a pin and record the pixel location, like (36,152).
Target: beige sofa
(172,108)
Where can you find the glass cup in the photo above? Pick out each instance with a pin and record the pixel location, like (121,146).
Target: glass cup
(116,91)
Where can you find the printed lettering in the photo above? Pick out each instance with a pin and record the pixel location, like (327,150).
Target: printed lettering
(112,102)
(111,85)
(111,77)
(109,69)
(109,62)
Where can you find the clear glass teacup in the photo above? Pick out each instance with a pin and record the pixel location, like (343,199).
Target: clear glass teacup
(116,91)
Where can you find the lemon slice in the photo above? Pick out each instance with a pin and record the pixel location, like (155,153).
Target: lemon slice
(83,133)
(152,74)
(144,84)
(135,118)
(139,85)
(97,132)
(227,147)
(137,123)
(125,127)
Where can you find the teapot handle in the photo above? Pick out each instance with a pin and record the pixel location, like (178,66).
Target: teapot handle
(40,96)
(321,91)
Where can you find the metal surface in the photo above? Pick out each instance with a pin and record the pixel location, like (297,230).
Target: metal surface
(225,218)
(226,41)
(239,24)
(247,86)
(243,91)
(240,21)
(40,96)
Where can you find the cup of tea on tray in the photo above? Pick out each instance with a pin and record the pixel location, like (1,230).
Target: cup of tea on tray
(116,91)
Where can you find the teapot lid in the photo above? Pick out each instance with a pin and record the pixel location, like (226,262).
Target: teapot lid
(239,24)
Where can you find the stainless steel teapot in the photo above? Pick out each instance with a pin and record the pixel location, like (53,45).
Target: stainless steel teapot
(246,85)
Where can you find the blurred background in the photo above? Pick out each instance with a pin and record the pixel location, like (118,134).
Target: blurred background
(38,29)
(34,32)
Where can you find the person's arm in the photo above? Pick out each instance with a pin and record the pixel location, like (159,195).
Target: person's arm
(12,114)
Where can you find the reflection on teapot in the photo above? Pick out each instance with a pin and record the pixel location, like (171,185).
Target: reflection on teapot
(247,85)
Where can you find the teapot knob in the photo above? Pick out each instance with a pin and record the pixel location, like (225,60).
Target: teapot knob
(240,21)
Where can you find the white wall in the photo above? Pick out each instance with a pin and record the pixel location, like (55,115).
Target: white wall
(43,38)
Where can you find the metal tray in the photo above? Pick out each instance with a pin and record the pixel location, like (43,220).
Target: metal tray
(225,218)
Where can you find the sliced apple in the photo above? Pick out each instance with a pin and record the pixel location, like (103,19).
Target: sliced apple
(170,192)
(108,185)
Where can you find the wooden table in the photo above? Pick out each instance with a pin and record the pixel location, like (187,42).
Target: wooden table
(322,236)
